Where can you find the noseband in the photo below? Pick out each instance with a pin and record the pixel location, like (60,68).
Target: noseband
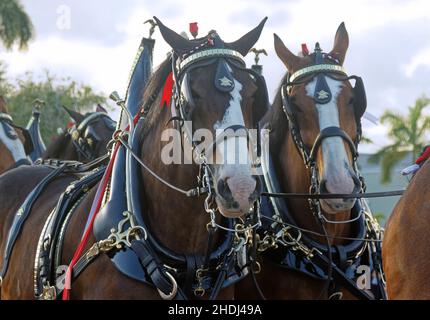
(322,95)
(87,144)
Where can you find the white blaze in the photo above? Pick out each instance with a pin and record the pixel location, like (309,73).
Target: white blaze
(14,146)
(333,149)
(235,149)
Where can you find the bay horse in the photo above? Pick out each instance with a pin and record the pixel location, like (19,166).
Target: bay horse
(85,140)
(315,128)
(15,142)
(405,250)
(212,88)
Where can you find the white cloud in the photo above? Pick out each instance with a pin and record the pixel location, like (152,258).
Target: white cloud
(420,59)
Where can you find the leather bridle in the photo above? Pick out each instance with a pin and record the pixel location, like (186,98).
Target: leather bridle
(320,70)
(183,104)
(85,139)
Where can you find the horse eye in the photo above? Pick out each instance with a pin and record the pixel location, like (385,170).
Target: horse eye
(351,101)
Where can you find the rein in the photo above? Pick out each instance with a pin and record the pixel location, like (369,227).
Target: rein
(334,195)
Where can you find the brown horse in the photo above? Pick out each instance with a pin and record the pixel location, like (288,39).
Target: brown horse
(218,92)
(405,253)
(314,129)
(86,140)
(13,141)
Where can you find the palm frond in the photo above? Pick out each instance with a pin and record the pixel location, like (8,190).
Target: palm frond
(15,25)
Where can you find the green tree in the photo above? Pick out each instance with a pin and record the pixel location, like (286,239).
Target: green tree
(15,25)
(56,92)
(407,133)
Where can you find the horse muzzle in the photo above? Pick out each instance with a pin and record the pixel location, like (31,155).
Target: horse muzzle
(334,206)
(236,193)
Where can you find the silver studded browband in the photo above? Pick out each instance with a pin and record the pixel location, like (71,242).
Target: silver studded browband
(317,68)
(209,53)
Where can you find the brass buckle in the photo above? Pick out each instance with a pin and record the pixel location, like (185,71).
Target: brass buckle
(199,292)
(258,265)
(172,294)
(48,293)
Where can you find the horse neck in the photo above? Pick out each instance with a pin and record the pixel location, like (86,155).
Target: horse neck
(6,158)
(177,221)
(295,178)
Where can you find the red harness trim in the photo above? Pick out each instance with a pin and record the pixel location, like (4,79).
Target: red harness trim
(167,91)
(87,232)
(424,156)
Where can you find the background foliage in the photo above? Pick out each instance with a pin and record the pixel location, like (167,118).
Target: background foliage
(56,92)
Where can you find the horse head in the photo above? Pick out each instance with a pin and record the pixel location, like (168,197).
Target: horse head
(324,113)
(222,100)
(91,133)
(15,141)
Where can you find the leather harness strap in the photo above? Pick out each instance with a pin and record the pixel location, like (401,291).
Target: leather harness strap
(22,215)
(340,277)
(21,162)
(155,269)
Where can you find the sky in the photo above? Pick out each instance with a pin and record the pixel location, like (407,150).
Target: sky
(95,41)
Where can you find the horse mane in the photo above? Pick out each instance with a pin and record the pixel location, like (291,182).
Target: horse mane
(276,117)
(152,90)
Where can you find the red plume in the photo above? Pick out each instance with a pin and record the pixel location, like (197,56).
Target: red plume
(194,29)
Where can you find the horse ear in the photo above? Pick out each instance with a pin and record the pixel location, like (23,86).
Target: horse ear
(246,42)
(100,108)
(341,42)
(289,59)
(178,43)
(76,116)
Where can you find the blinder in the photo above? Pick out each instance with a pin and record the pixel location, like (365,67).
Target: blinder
(224,82)
(261,97)
(184,103)
(85,138)
(322,95)
(360,100)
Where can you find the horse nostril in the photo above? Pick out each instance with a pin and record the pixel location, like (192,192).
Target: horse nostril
(224,189)
(323,186)
(258,185)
